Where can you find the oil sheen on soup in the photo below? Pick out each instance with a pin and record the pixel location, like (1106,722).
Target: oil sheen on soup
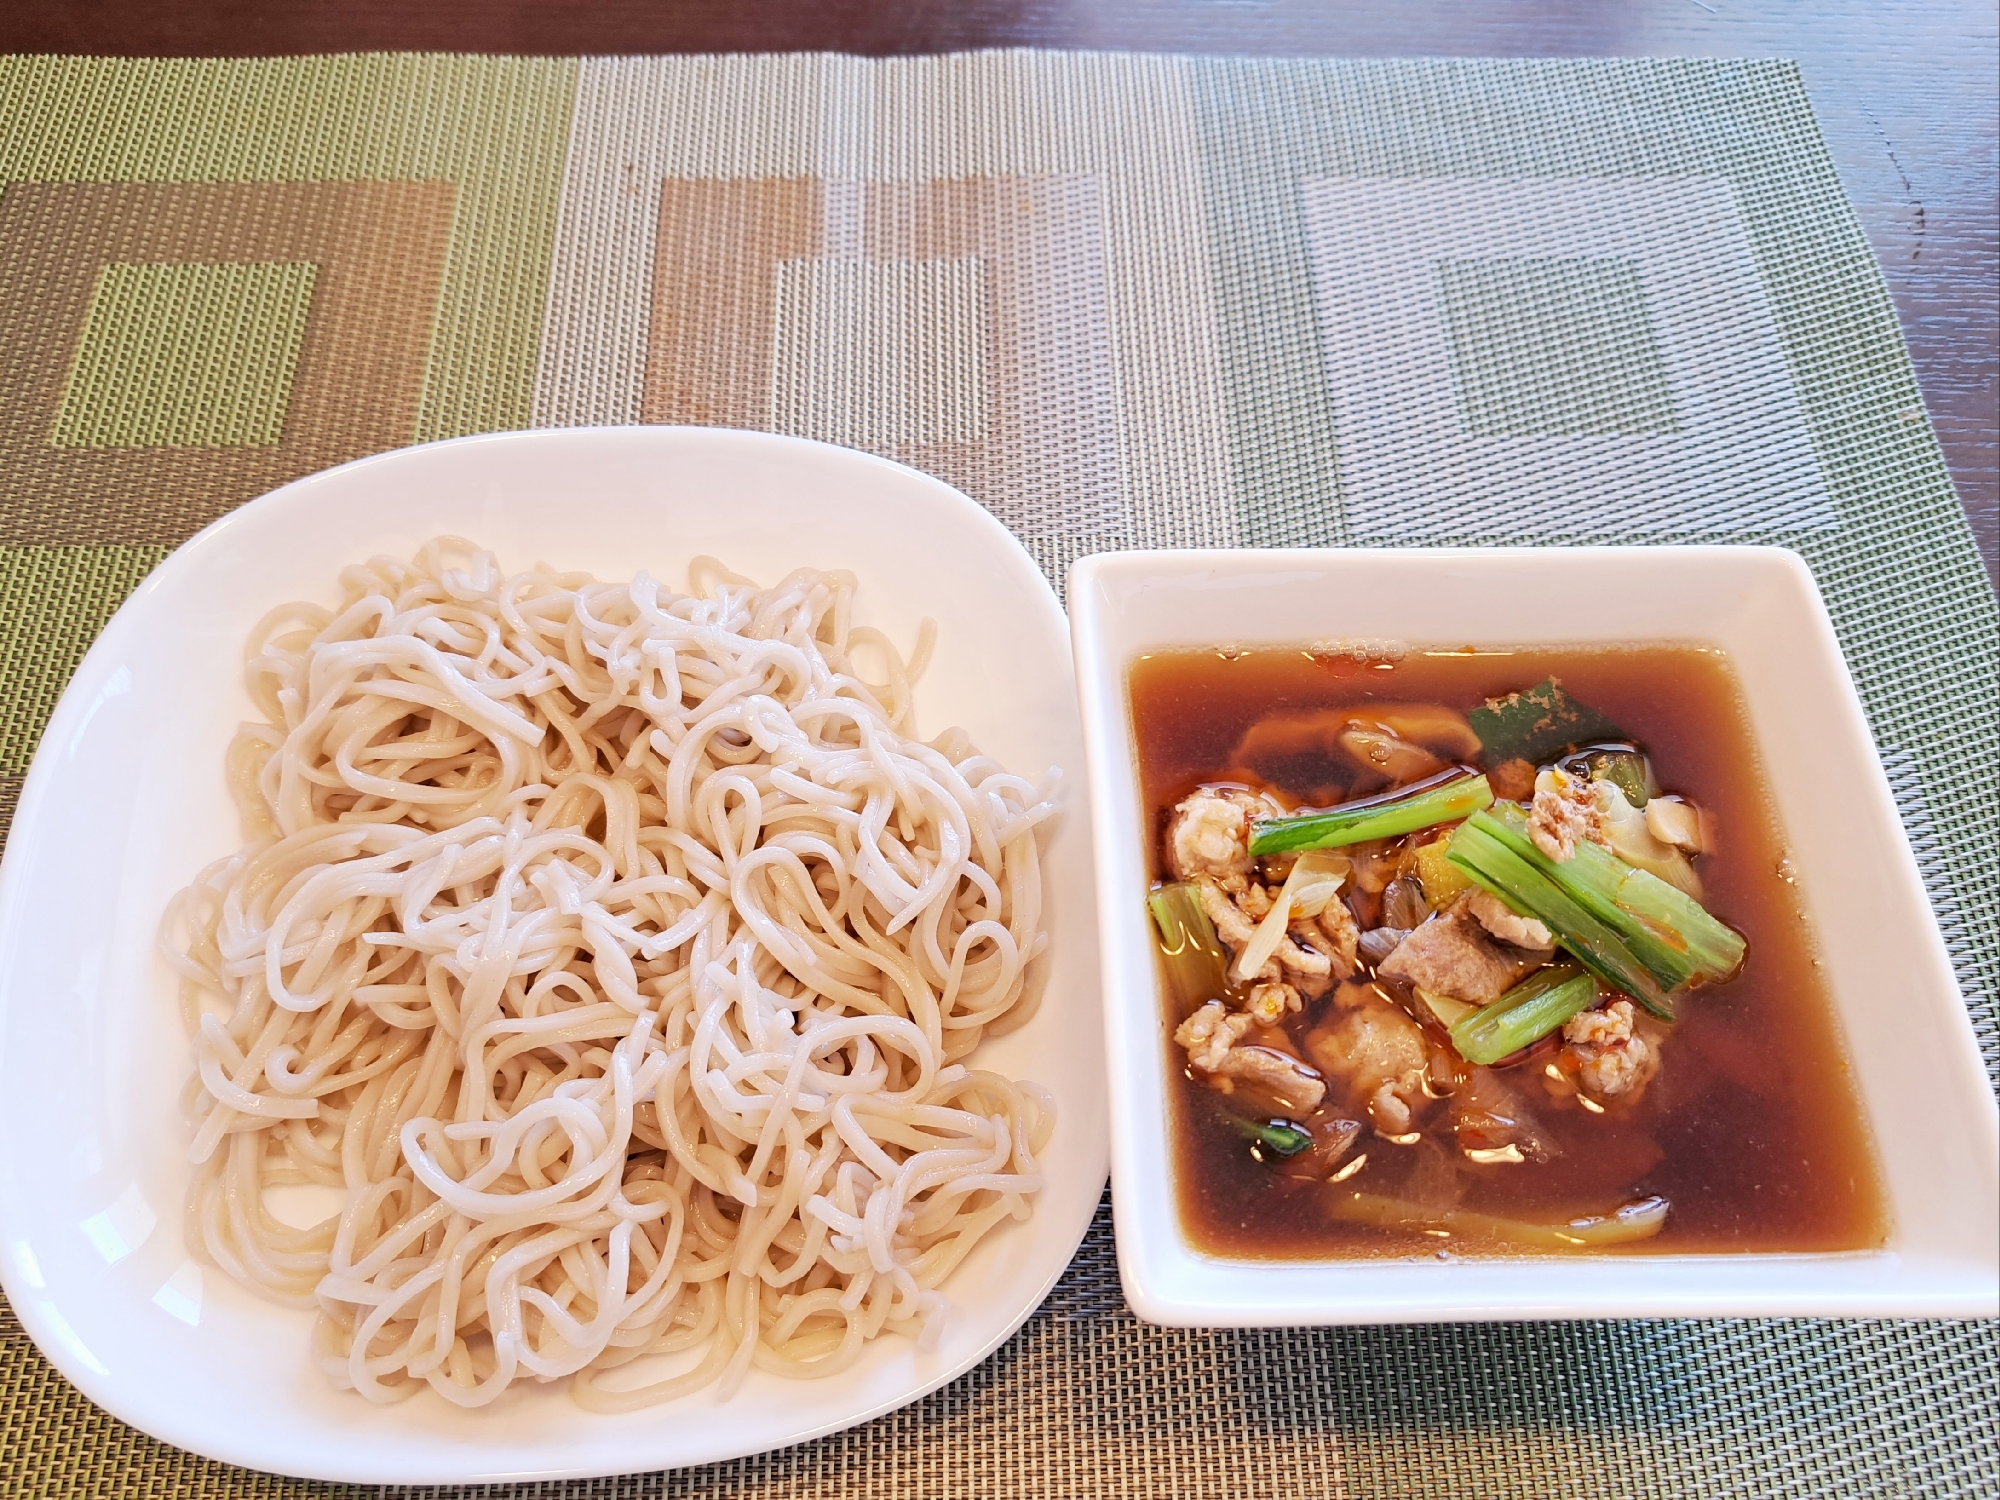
(1518,965)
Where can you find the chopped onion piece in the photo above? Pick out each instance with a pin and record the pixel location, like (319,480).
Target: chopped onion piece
(1316,877)
(1640,1219)
(1629,832)
(1325,874)
(1448,1011)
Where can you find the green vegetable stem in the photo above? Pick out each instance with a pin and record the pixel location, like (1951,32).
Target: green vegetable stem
(1197,968)
(1439,801)
(1525,1014)
(1631,929)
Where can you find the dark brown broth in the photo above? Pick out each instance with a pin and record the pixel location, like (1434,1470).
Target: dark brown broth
(1753,1129)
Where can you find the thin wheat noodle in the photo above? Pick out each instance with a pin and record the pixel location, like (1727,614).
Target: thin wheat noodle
(616,953)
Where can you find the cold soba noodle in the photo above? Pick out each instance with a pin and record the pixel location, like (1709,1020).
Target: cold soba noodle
(617,953)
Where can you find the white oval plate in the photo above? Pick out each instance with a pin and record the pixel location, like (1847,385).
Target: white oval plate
(125,801)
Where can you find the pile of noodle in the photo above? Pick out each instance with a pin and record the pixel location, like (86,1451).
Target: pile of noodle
(616,952)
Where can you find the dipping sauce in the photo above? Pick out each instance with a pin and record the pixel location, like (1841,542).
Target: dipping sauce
(1747,1133)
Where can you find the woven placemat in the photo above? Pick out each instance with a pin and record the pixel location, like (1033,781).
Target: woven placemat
(1122,301)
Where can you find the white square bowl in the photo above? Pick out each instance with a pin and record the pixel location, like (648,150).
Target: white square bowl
(1915,1060)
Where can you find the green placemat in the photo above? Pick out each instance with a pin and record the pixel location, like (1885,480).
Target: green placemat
(1123,301)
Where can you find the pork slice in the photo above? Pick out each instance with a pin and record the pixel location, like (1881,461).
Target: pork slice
(1379,1055)
(1272,1078)
(1508,925)
(1231,1053)
(1613,1057)
(1451,954)
(1209,835)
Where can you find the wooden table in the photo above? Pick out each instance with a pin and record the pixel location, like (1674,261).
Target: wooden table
(1906,95)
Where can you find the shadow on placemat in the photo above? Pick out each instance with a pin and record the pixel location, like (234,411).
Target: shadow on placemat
(1087,1401)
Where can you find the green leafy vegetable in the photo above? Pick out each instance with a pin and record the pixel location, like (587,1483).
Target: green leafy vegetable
(1197,968)
(1670,931)
(1279,1137)
(1631,929)
(1624,766)
(1536,722)
(1525,1014)
(1437,801)
(1525,885)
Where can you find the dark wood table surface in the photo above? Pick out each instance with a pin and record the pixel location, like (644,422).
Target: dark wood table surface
(1907,92)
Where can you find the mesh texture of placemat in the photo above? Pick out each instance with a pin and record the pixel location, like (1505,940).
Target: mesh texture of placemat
(1123,301)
